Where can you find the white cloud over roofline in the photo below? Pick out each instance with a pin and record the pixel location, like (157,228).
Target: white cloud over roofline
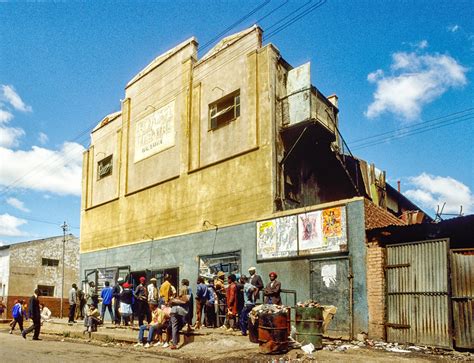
(10,226)
(415,80)
(430,191)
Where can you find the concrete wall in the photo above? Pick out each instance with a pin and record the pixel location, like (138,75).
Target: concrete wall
(294,274)
(27,272)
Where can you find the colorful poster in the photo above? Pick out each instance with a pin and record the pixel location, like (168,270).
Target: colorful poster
(309,231)
(155,132)
(322,231)
(277,238)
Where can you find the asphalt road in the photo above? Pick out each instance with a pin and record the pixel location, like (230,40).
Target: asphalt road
(14,349)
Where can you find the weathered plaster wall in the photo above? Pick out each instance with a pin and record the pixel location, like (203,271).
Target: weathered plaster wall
(357,253)
(27,272)
(237,189)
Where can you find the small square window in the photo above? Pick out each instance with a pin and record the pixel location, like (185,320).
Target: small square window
(225,110)
(50,262)
(46,290)
(104,167)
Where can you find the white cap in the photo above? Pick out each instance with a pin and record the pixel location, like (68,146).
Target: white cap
(252,268)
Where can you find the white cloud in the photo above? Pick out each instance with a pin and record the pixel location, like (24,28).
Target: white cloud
(415,81)
(52,171)
(5,116)
(453,28)
(9,94)
(9,136)
(43,138)
(9,226)
(18,204)
(432,191)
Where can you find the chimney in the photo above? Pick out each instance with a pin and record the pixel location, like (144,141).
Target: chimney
(398,185)
(334,100)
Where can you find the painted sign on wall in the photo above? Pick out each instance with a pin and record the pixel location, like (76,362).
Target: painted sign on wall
(155,132)
(322,231)
(277,238)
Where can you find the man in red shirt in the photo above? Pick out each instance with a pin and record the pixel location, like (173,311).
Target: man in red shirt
(231,297)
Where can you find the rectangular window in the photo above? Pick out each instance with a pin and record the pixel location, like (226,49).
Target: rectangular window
(210,265)
(50,262)
(46,290)
(225,110)
(104,167)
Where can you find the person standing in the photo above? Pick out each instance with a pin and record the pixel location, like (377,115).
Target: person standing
(221,298)
(249,304)
(72,303)
(178,315)
(126,300)
(106,295)
(35,314)
(18,314)
(256,280)
(201,299)
(116,292)
(80,302)
(231,298)
(190,305)
(210,310)
(92,296)
(166,291)
(141,296)
(272,290)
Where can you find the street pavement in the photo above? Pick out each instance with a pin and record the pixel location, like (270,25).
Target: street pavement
(65,343)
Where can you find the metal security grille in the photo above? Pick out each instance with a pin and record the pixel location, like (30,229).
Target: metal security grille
(417,293)
(462,282)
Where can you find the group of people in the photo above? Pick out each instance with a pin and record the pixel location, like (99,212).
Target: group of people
(34,310)
(162,311)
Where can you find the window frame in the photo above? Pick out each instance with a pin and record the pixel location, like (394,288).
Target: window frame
(108,158)
(49,262)
(224,103)
(47,288)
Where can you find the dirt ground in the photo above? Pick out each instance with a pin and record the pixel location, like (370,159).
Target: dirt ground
(62,342)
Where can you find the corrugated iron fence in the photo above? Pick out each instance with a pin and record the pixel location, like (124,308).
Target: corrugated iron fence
(418,304)
(462,283)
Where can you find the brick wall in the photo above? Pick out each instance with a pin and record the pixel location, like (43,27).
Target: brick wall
(53,304)
(376,290)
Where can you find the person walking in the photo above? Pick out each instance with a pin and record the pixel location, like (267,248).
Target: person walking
(255,280)
(201,300)
(272,290)
(72,303)
(34,313)
(106,295)
(18,314)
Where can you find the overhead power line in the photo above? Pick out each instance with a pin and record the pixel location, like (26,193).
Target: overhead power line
(281,28)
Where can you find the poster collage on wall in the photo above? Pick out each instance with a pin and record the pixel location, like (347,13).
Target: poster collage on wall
(304,234)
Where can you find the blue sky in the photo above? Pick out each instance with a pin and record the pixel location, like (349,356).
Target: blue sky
(403,71)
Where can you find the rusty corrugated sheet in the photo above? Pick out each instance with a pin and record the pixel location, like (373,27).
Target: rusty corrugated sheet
(417,289)
(462,282)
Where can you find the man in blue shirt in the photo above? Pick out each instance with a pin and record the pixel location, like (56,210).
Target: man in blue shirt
(201,299)
(249,303)
(106,295)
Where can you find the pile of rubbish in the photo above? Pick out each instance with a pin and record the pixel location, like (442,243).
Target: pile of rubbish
(267,309)
(309,304)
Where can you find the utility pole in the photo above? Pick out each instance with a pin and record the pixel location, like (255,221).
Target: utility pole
(64,227)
